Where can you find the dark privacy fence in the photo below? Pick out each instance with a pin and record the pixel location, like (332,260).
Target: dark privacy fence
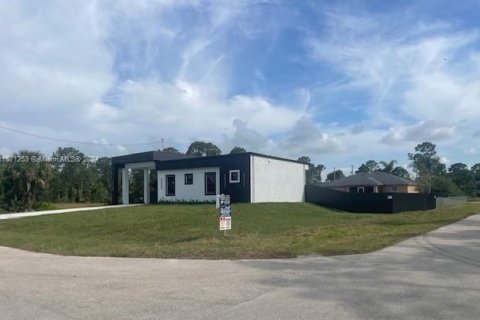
(369,202)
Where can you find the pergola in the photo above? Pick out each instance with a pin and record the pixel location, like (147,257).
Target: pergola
(145,161)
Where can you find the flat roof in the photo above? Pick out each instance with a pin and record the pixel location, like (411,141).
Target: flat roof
(148,156)
(167,156)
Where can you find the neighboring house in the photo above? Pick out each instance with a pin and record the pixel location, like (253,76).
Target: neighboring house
(246,177)
(377,192)
(375,182)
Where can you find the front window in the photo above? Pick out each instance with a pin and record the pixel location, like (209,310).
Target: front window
(210,183)
(234,176)
(188,178)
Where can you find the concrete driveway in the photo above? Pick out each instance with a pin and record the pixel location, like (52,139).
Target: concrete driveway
(436,276)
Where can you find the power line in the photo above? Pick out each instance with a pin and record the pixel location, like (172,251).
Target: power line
(78,142)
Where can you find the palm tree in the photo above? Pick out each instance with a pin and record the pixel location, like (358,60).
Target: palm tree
(388,167)
(24,179)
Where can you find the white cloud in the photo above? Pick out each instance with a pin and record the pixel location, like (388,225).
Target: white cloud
(419,72)
(308,138)
(419,79)
(188,109)
(439,93)
(470,150)
(358,129)
(58,65)
(445,160)
(102,111)
(430,130)
(52,63)
(247,138)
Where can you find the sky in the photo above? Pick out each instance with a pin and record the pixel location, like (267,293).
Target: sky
(342,82)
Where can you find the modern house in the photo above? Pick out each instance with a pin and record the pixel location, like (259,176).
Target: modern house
(246,177)
(375,182)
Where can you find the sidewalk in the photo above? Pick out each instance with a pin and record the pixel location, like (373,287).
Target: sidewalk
(42,213)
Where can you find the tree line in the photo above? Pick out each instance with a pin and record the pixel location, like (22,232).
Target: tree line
(30,179)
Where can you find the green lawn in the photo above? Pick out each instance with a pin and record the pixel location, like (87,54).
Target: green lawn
(191,231)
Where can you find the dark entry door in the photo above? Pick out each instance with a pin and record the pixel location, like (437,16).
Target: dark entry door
(210,183)
(170,189)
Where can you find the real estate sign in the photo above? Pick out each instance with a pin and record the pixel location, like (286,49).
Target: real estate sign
(225,211)
(225,223)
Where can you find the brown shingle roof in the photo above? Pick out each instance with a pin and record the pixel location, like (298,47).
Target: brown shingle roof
(368,179)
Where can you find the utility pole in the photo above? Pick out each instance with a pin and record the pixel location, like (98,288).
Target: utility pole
(162,144)
(334,172)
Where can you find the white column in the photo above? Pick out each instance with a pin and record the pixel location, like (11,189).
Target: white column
(146,186)
(159,186)
(125,186)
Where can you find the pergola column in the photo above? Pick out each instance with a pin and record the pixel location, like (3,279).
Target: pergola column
(125,184)
(146,185)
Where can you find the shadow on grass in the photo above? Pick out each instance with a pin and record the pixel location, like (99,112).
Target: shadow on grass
(188,239)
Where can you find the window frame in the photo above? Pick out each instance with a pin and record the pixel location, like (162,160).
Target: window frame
(230,172)
(214,183)
(185,181)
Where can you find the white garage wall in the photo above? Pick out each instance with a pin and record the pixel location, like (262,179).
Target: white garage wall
(191,192)
(274,180)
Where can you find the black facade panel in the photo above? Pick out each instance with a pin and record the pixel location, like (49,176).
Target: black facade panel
(368,202)
(153,195)
(115,188)
(239,192)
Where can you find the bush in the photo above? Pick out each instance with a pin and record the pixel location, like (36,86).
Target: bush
(44,206)
(443,186)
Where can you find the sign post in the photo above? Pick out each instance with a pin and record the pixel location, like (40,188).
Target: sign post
(225,213)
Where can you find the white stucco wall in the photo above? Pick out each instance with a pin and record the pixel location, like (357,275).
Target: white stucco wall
(275,180)
(192,192)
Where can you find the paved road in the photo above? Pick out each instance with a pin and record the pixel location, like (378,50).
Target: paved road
(436,276)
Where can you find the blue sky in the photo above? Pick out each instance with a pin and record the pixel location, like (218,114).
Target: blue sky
(340,81)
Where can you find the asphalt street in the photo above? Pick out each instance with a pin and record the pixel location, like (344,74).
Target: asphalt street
(434,276)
